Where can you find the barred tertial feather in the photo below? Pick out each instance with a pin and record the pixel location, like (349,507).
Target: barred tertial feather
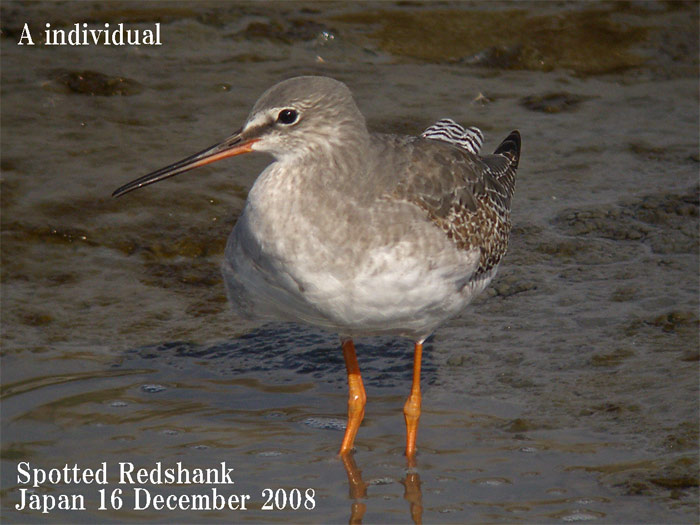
(447,130)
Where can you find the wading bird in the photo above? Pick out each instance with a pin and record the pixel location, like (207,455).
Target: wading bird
(357,232)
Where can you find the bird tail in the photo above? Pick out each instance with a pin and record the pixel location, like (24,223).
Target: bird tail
(510,148)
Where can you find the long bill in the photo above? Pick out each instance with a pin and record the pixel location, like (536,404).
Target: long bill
(234,145)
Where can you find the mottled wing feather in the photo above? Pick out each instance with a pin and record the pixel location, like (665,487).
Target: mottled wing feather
(467,196)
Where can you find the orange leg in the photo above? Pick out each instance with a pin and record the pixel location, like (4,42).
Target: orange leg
(356,397)
(411,409)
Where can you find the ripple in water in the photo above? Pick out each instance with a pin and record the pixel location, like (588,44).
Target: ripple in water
(325,423)
(153,389)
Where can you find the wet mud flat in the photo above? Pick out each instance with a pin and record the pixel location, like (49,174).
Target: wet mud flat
(568,391)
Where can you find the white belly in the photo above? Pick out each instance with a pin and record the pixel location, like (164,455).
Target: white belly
(326,260)
(389,290)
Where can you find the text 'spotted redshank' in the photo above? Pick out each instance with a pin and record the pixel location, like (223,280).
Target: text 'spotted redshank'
(357,232)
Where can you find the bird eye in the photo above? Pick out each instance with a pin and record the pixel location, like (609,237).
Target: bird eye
(288,116)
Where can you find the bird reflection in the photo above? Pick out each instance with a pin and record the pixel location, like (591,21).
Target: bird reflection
(358,490)
(412,492)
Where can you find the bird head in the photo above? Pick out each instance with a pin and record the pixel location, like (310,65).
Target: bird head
(297,117)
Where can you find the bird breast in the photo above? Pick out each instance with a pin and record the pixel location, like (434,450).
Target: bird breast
(305,251)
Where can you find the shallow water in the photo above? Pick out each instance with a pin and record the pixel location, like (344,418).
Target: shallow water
(567,392)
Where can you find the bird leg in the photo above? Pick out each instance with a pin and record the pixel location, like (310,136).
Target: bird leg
(411,409)
(356,397)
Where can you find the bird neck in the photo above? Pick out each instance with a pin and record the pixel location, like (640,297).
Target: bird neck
(338,160)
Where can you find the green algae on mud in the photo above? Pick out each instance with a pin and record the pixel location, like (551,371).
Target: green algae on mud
(553,102)
(587,42)
(664,220)
(96,84)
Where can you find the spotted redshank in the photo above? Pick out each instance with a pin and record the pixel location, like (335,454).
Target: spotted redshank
(358,232)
